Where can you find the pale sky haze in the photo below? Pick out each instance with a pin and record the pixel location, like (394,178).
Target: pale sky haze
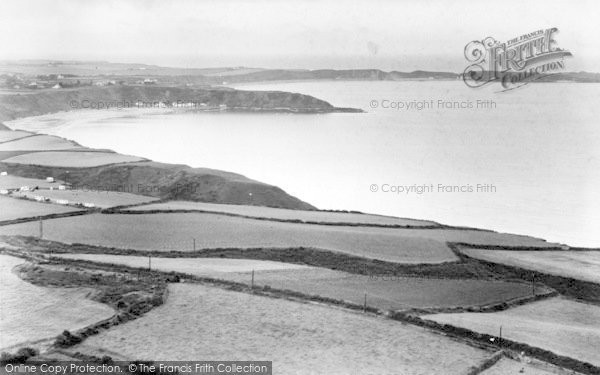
(385,34)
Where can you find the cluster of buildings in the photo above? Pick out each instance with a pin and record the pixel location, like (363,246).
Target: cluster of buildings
(18,81)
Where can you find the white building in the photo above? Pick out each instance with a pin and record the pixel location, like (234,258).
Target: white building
(24,188)
(49,179)
(62,187)
(89,205)
(3,173)
(3,191)
(62,201)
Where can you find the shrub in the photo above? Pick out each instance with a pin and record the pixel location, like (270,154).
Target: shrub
(20,356)
(66,339)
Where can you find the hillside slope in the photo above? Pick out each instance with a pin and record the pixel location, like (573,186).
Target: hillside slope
(166,181)
(14,106)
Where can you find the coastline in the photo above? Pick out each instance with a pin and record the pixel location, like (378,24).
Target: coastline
(64,118)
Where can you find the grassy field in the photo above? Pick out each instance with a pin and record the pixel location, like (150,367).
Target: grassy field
(103,199)
(192,266)
(13,208)
(15,182)
(385,292)
(582,265)
(299,338)
(164,232)
(72,159)
(9,135)
(507,366)
(283,214)
(29,313)
(562,326)
(175,232)
(38,143)
(388,292)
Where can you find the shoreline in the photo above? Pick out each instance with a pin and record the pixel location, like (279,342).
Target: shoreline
(67,119)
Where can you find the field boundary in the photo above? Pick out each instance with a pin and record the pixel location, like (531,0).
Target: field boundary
(120,211)
(337,261)
(522,248)
(489,362)
(580,290)
(16,139)
(45,217)
(482,341)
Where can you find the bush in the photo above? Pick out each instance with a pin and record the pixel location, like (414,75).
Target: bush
(20,356)
(107,360)
(66,339)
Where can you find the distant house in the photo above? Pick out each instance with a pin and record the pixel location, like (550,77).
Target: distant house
(62,187)
(39,198)
(24,188)
(3,173)
(49,179)
(150,81)
(89,205)
(3,191)
(62,201)
(57,86)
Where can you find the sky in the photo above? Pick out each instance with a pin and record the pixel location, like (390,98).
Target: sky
(384,34)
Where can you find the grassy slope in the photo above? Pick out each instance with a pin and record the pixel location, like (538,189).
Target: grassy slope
(49,101)
(169,181)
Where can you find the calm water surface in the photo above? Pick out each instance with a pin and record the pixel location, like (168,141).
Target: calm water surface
(537,147)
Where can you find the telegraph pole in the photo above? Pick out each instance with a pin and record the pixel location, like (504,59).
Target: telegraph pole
(499,341)
(41,229)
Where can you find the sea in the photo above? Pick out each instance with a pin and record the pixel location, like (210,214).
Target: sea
(523,161)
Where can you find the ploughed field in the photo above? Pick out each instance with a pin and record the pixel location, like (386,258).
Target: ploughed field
(582,265)
(283,214)
(14,208)
(30,314)
(102,199)
(299,338)
(385,292)
(560,325)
